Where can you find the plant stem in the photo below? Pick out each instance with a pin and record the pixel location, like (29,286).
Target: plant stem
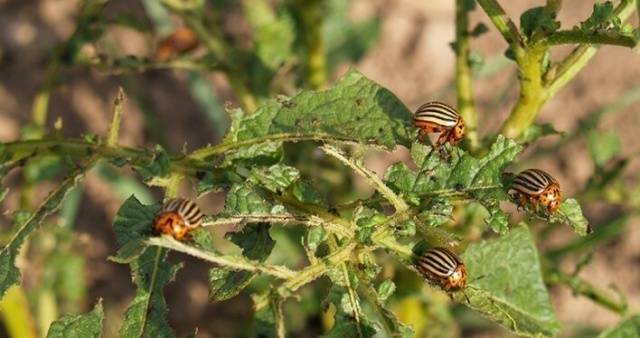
(503,23)
(586,289)
(532,92)
(311,13)
(372,179)
(594,37)
(464,78)
(338,229)
(233,262)
(21,150)
(574,62)
(114,130)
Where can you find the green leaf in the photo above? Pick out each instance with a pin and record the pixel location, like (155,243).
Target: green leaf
(506,284)
(535,19)
(479,29)
(277,177)
(348,328)
(571,213)
(603,16)
(134,221)
(463,176)
(385,290)
(225,284)
(146,314)
(9,274)
(497,220)
(628,328)
(158,167)
(537,131)
(603,146)
(273,35)
(356,109)
(81,326)
(253,239)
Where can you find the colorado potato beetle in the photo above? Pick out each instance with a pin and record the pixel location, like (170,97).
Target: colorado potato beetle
(536,187)
(177,218)
(442,267)
(438,117)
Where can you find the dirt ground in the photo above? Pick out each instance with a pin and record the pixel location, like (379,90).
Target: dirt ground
(412,59)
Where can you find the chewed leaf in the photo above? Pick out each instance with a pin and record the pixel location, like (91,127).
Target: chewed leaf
(146,314)
(88,325)
(461,176)
(506,284)
(375,116)
(628,328)
(571,213)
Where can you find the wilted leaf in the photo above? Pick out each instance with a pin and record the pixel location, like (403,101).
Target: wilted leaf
(628,328)
(81,326)
(506,284)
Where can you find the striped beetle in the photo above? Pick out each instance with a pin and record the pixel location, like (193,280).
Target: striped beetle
(536,187)
(177,218)
(442,267)
(438,117)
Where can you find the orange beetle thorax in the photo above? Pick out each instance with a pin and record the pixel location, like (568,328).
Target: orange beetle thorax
(170,223)
(458,279)
(551,197)
(457,134)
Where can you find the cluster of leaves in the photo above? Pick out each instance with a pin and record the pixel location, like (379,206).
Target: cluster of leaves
(344,240)
(265,192)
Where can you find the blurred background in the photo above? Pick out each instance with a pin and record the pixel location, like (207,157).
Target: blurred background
(401,44)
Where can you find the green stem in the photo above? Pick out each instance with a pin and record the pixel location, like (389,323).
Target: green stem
(80,149)
(503,23)
(372,179)
(233,262)
(586,289)
(335,228)
(464,78)
(311,14)
(532,92)
(578,59)
(114,130)
(591,37)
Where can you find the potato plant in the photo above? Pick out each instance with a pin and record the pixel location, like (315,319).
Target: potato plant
(286,165)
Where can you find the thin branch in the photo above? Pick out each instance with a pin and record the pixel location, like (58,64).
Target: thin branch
(114,129)
(503,23)
(586,289)
(233,262)
(574,62)
(398,203)
(338,229)
(464,78)
(593,37)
